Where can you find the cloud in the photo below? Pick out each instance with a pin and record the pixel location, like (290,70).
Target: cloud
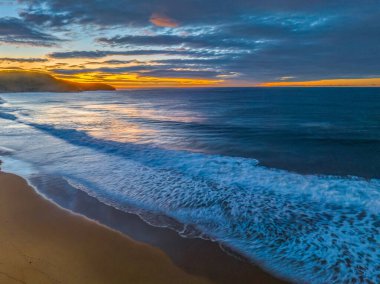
(118,62)
(210,62)
(134,52)
(259,40)
(46,19)
(22,60)
(128,40)
(163,21)
(145,71)
(138,13)
(219,41)
(109,70)
(172,73)
(16,31)
(79,54)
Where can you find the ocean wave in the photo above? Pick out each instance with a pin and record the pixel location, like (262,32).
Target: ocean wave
(4,151)
(319,229)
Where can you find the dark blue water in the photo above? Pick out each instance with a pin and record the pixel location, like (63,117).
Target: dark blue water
(309,130)
(289,177)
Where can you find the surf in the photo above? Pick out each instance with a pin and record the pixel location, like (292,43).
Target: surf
(322,228)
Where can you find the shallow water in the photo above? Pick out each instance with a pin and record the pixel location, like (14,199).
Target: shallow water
(288,177)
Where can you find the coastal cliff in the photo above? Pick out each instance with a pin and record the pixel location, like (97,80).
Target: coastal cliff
(26,81)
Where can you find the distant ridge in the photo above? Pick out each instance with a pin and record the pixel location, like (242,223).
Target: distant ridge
(12,81)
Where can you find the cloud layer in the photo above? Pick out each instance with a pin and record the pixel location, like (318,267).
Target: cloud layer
(17,31)
(241,40)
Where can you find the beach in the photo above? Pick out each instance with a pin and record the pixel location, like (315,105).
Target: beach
(42,243)
(189,142)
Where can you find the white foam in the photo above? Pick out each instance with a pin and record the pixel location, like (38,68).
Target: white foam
(310,228)
(11,165)
(5,151)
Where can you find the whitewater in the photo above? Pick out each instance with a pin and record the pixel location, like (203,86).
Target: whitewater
(181,156)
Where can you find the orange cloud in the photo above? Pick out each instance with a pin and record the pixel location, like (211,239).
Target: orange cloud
(163,21)
(354,82)
(131,80)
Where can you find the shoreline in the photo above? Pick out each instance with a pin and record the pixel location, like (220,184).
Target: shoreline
(41,243)
(199,258)
(195,255)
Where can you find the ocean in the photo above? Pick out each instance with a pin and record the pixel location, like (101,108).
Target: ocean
(288,177)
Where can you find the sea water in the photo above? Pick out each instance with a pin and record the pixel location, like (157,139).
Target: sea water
(289,177)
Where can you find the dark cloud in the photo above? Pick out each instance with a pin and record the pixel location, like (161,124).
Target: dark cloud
(120,62)
(79,54)
(135,52)
(129,69)
(22,60)
(260,40)
(164,71)
(193,62)
(49,19)
(210,62)
(219,41)
(170,73)
(139,13)
(348,47)
(17,31)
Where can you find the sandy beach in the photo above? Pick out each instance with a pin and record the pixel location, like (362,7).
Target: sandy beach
(42,243)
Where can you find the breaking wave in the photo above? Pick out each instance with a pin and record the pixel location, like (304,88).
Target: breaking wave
(319,229)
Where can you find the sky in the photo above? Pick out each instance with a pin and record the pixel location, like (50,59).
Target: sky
(190,43)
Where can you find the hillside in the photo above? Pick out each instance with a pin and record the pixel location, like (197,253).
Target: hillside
(25,81)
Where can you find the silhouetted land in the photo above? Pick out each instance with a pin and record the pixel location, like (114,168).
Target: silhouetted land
(26,81)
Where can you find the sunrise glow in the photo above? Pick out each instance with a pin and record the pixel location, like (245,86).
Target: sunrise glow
(189,44)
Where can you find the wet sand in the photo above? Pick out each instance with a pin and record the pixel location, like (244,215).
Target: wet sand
(42,243)
(195,256)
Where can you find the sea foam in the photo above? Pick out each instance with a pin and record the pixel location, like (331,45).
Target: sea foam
(307,228)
